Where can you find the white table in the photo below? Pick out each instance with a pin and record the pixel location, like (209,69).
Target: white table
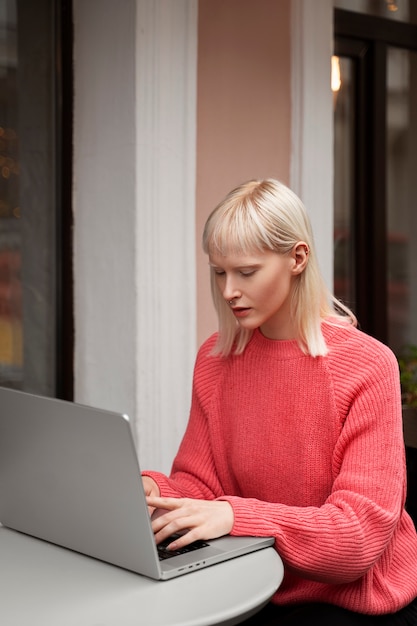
(44,585)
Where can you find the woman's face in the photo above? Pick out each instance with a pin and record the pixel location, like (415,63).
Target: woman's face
(258,287)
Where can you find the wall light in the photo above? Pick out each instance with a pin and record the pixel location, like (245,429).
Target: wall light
(336,81)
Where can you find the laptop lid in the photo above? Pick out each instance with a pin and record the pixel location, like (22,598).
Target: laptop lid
(69,474)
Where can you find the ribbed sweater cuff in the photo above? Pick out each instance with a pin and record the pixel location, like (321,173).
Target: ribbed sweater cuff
(166,486)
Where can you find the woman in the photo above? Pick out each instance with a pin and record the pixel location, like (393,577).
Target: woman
(295,427)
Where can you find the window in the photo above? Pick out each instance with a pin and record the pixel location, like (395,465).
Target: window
(35,203)
(375,187)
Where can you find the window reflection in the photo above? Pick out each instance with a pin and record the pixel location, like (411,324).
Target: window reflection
(11,359)
(29,195)
(401,197)
(399,10)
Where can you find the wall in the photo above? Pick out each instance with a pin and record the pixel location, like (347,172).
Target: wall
(262,107)
(243,110)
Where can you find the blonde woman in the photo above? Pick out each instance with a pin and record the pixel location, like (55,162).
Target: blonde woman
(295,427)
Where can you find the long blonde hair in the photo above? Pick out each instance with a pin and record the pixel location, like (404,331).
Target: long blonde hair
(267,215)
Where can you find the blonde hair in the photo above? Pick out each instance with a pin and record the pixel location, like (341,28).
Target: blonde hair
(267,215)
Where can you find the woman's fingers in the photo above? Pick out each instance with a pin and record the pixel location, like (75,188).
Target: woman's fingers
(198,519)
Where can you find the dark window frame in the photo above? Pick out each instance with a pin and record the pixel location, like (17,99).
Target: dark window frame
(365,40)
(64,235)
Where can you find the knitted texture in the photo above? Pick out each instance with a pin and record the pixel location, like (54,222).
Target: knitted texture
(310,451)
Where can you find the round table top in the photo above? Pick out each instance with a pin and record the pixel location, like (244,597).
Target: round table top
(45,585)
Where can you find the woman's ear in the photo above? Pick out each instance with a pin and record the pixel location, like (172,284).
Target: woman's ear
(299,255)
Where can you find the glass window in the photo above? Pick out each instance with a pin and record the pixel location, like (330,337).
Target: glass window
(11,331)
(401,197)
(375,153)
(28,196)
(401,10)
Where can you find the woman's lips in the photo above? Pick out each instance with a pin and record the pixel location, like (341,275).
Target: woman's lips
(241,311)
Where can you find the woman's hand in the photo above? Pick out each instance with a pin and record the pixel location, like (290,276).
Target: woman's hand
(200,519)
(150,488)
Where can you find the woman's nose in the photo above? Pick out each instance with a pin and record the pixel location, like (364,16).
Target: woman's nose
(230,290)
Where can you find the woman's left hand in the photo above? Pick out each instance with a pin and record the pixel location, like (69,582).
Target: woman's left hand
(201,519)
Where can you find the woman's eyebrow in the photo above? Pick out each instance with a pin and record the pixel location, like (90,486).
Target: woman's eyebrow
(249,266)
(243,266)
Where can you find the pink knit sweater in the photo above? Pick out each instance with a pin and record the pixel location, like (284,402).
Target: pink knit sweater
(310,451)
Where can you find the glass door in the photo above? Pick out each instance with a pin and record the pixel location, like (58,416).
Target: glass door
(375,156)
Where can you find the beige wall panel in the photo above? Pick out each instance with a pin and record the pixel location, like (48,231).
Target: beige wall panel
(243,110)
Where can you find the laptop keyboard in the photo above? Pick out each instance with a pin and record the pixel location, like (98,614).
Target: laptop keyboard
(163,553)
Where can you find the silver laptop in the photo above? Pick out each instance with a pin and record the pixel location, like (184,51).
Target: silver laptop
(69,474)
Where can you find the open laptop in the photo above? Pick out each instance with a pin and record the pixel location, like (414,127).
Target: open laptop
(69,474)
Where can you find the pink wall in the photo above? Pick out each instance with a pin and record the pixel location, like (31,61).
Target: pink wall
(243,110)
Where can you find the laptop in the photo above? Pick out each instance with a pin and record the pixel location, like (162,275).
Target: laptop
(69,474)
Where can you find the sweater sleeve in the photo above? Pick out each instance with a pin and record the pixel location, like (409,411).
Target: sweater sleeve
(341,540)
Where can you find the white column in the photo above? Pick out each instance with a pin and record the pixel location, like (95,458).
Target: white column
(104,203)
(166,58)
(134,242)
(312,120)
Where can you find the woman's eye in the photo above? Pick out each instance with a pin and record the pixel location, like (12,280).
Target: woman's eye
(219,272)
(248,273)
